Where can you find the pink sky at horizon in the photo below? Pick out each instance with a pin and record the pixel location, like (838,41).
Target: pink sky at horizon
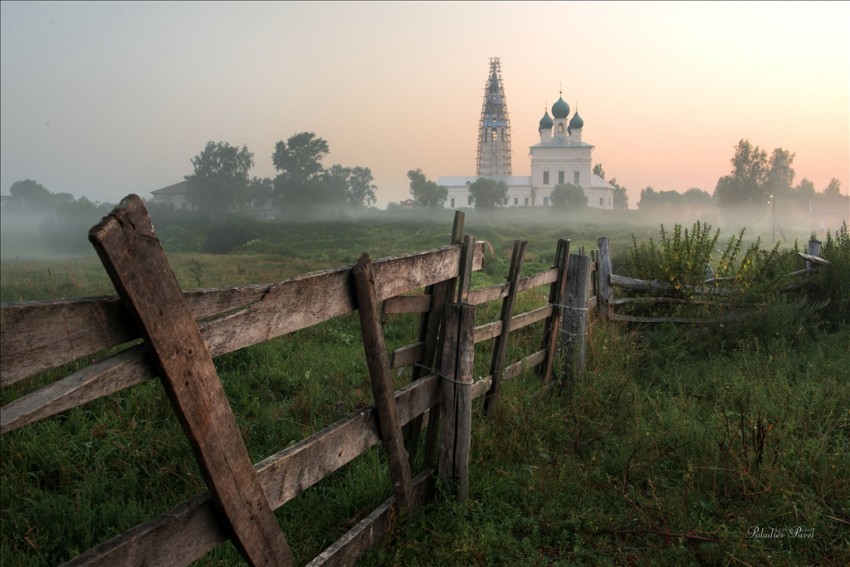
(118,97)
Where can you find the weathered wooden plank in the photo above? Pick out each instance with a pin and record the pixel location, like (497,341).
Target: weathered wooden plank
(605,293)
(575,318)
(139,270)
(407,304)
(407,355)
(447,415)
(683,320)
(284,475)
(493,293)
(493,329)
(464,277)
(28,345)
(463,400)
(637,284)
(115,373)
(530,362)
(345,551)
(382,383)
(557,290)
(501,344)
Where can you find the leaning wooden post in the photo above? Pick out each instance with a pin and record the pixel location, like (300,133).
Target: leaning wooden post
(456,399)
(557,291)
(383,389)
(574,327)
(605,292)
(429,333)
(500,346)
(139,270)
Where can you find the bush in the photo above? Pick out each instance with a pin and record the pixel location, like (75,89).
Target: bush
(227,237)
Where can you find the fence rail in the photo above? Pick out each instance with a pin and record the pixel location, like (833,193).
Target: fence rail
(154,317)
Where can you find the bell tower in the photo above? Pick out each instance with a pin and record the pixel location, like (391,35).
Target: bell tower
(494,130)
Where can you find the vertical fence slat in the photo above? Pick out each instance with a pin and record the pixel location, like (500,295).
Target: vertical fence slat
(556,299)
(382,383)
(605,293)
(456,399)
(139,270)
(429,333)
(574,326)
(500,346)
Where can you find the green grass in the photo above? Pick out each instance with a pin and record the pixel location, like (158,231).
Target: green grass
(673,446)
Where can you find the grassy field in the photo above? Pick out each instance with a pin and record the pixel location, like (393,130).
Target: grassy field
(679,447)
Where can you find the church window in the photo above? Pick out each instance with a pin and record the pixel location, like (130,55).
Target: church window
(575,177)
(545,178)
(560,128)
(526,201)
(516,200)
(453,203)
(494,135)
(545,201)
(560,178)
(601,201)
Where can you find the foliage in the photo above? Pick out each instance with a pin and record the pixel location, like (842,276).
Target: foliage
(425,192)
(621,197)
(746,183)
(31,196)
(219,183)
(488,193)
(830,283)
(304,185)
(228,236)
(568,196)
(833,189)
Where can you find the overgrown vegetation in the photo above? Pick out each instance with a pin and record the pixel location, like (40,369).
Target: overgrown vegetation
(674,449)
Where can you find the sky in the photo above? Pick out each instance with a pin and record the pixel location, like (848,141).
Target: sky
(104,99)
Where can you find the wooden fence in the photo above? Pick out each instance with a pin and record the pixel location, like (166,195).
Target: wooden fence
(607,282)
(155,330)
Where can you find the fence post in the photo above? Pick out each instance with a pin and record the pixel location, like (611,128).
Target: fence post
(812,250)
(574,326)
(382,383)
(500,346)
(605,293)
(429,332)
(557,291)
(455,407)
(142,276)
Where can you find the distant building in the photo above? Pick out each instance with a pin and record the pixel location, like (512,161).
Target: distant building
(175,196)
(561,156)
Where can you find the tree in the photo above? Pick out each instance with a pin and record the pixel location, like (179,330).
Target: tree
(697,197)
(347,185)
(597,170)
(220,181)
(834,188)
(568,195)
(621,197)
(805,188)
(299,161)
(780,174)
(30,195)
(425,192)
(488,193)
(67,229)
(746,184)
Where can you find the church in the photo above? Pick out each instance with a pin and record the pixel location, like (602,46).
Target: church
(560,157)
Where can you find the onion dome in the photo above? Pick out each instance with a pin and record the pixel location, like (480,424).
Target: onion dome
(560,109)
(576,123)
(546,123)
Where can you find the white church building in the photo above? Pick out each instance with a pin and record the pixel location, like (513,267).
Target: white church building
(560,157)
